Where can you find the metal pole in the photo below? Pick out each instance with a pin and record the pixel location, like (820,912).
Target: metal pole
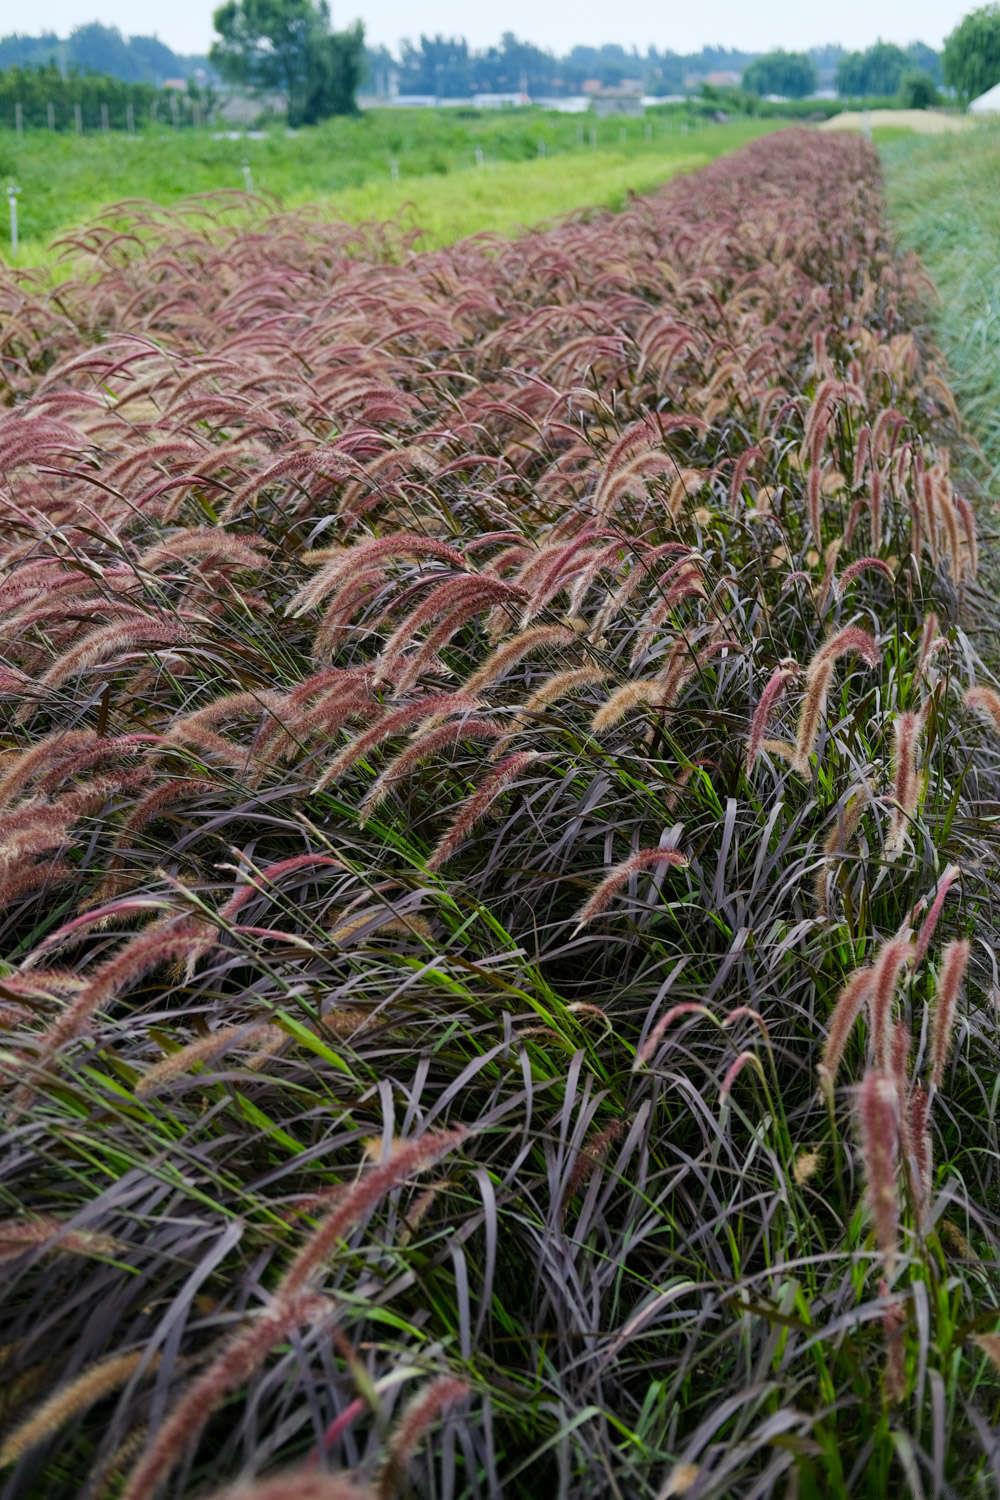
(105,122)
(19,118)
(50,110)
(394,169)
(12,192)
(247,177)
(130,118)
(78,119)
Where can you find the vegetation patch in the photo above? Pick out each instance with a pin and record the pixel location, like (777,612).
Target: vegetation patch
(943,198)
(368,167)
(497,854)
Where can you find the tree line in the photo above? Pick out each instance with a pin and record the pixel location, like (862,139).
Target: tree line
(99,49)
(44,97)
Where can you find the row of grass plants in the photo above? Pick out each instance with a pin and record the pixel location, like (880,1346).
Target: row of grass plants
(499,778)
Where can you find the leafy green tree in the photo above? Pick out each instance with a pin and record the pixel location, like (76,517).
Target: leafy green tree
(287,46)
(971,55)
(876,73)
(791,74)
(917,90)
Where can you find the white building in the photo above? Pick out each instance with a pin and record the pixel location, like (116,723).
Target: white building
(988,103)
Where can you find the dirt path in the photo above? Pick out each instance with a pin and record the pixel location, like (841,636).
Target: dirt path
(923,121)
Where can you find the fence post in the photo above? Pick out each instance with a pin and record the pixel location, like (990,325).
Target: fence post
(394,169)
(19,118)
(78,119)
(130,118)
(12,192)
(247,177)
(173,109)
(593,136)
(105,122)
(50,110)
(480,158)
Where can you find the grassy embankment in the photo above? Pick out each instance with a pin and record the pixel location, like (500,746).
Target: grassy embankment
(347,165)
(943,197)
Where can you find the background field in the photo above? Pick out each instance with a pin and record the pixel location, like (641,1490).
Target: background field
(944,196)
(346,165)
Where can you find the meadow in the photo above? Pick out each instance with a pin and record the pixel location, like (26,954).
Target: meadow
(944,198)
(498,811)
(346,166)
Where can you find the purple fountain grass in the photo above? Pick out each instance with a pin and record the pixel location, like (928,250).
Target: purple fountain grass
(928,925)
(630,695)
(604,893)
(255,881)
(779,679)
(905,785)
(652,1042)
(878,1118)
(47,1234)
(90,1386)
(849,641)
(734,1070)
(219,1041)
(108,640)
(427,742)
(173,938)
(985,701)
(921,1160)
(875,510)
(931,641)
(356,1202)
(889,963)
(231,1367)
(420,1414)
(461,598)
(954,962)
(514,650)
(298,1484)
(478,804)
(846,1011)
(393,723)
(592,1154)
(340,561)
(893,1324)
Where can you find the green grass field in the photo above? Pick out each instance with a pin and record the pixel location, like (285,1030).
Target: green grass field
(347,165)
(943,195)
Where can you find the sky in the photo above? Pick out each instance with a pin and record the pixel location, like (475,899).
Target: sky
(753,25)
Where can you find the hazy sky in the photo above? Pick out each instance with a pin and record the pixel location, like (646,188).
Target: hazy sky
(752,24)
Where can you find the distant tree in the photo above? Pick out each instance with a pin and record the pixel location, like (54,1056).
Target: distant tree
(791,74)
(876,73)
(153,60)
(438,65)
(18,51)
(287,45)
(926,60)
(102,49)
(917,90)
(971,56)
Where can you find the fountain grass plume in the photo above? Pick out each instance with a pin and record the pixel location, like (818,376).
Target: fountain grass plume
(878,1127)
(604,893)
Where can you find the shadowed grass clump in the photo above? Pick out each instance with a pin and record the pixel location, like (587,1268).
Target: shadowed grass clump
(497,844)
